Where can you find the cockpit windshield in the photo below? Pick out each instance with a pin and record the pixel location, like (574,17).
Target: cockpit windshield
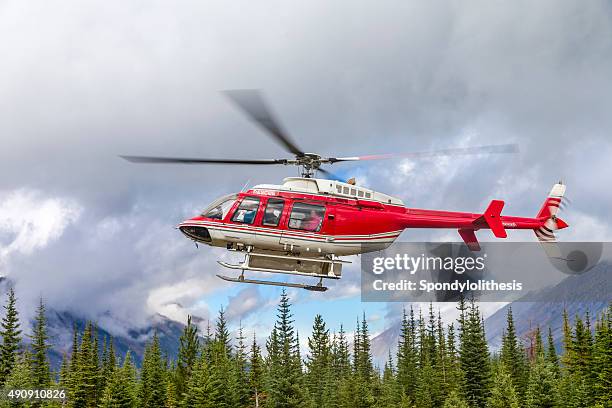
(220,207)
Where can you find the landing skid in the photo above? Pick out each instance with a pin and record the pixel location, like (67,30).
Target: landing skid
(320,268)
(241,279)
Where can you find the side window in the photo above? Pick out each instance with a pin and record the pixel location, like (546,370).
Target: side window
(247,210)
(308,217)
(273,212)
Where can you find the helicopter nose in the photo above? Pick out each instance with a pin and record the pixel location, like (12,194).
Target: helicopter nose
(197,233)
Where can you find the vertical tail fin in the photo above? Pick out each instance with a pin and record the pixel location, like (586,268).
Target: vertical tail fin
(548,215)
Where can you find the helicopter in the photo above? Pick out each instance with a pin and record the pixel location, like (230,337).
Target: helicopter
(306,225)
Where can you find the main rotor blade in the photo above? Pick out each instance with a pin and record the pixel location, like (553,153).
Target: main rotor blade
(460,151)
(253,105)
(180,160)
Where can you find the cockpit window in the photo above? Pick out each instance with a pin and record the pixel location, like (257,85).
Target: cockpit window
(307,217)
(273,212)
(247,210)
(220,207)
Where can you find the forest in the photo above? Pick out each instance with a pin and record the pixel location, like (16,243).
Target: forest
(436,365)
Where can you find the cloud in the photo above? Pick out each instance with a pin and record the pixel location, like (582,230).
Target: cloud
(246,302)
(29,221)
(81,85)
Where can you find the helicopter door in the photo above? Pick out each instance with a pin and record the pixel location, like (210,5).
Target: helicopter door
(270,221)
(245,215)
(304,225)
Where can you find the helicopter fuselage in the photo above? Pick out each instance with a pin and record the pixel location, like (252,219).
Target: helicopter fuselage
(315,217)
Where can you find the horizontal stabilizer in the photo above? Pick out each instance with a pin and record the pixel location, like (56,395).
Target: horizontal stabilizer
(492,218)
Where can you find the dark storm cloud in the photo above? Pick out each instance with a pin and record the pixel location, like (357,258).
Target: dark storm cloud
(81,84)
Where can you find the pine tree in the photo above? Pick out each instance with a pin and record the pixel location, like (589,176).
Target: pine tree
(363,369)
(454,377)
(20,378)
(200,390)
(189,344)
(568,343)
(539,344)
(341,356)
(41,374)
(473,356)
(11,337)
(120,391)
(602,358)
(542,389)
(389,395)
(318,362)
(256,373)
(513,357)
(222,333)
(109,362)
(407,356)
(84,378)
(551,354)
(152,378)
(454,400)
(503,393)
(285,373)
(221,370)
(240,371)
(64,372)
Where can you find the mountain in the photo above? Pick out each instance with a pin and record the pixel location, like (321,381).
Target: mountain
(577,294)
(60,328)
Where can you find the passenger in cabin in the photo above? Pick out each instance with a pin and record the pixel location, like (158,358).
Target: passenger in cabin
(313,221)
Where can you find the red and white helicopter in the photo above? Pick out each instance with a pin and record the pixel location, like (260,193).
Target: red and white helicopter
(303,226)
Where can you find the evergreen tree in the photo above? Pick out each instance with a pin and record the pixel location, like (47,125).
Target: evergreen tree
(602,358)
(256,373)
(454,400)
(109,362)
(363,369)
(503,393)
(41,374)
(407,356)
(285,373)
(152,378)
(318,362)
(189,344)
(454,377)
(241,376)
(568,342)
(20,378)
(222,332)
(542,389)
(84,378)
(200,390)
(389,396)
(120,391)
(473,356)
(11,337)
(341,356)
(513,356)
(221,371)
(539,344)
(551,354)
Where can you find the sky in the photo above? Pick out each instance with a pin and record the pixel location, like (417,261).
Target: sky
(81,83)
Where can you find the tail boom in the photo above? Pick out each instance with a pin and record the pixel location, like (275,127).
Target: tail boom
(544,224)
